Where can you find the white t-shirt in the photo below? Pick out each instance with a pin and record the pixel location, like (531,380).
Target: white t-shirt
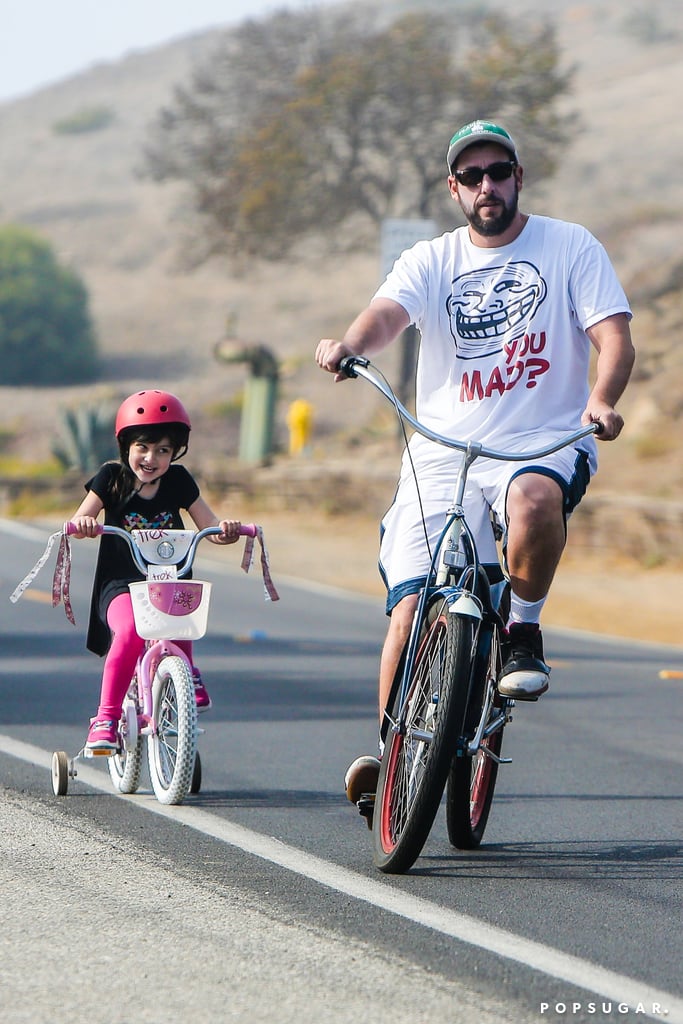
(504,357)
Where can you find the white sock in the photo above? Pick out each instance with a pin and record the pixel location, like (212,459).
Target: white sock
(525,611)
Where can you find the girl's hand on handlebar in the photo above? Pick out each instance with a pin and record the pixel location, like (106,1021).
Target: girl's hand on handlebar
(84,526)
(230,532)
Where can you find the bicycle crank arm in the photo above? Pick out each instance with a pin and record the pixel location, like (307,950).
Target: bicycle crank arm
(483,729)
(498,722)
(494,757)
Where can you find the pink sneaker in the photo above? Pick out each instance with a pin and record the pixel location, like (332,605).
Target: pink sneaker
(103,736)
(201,694)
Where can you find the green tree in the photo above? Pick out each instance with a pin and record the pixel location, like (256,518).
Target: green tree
(301,122)
(46,334)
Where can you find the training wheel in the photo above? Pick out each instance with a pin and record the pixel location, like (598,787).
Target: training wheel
(60,773)
(196,783)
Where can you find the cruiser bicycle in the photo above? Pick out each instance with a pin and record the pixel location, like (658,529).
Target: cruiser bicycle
(444,721)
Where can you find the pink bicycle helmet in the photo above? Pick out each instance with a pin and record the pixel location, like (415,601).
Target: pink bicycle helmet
(151,408)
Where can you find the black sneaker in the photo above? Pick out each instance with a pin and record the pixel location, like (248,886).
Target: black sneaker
(524,675)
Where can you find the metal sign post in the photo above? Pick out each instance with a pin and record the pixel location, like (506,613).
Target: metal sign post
(397,235)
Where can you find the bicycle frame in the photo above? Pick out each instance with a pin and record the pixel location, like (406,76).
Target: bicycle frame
(461,596)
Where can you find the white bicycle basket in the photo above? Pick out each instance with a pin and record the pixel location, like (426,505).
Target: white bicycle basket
(170,609)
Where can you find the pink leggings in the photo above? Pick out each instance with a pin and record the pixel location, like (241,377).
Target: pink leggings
(126,648)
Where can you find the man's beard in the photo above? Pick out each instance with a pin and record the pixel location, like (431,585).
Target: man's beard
(491,227)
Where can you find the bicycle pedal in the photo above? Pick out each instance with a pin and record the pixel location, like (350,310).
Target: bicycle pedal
(366,807)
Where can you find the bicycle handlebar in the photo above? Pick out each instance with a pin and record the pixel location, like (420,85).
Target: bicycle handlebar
(245,530)
(359,366)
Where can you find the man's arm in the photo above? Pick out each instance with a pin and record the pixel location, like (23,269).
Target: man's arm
(612,339)
(375,328)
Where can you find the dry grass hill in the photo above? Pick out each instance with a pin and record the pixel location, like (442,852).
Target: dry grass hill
(620,177)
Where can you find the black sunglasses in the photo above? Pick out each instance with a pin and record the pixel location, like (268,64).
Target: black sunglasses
(471,176)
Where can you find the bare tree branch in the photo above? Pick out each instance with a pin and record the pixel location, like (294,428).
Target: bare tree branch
(302,121)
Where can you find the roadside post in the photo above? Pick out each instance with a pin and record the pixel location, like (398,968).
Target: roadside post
(259,398)
(399,234)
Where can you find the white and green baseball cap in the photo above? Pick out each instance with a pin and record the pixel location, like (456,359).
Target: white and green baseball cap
(479,131)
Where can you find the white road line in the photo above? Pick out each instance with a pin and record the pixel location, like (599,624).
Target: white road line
(601,982)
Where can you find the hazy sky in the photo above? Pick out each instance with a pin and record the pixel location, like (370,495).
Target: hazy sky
(43,41)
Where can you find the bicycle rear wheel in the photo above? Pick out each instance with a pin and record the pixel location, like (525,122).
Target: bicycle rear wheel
(172,748)
(125,766)
(472,778)
(196,783)
(416,760)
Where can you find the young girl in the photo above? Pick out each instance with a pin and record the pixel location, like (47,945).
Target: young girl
(144,490)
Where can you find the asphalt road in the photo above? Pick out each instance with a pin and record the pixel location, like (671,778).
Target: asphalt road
(257,900)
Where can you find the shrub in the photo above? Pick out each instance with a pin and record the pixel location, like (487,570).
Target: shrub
(46,334)
(87,438)
(89,119)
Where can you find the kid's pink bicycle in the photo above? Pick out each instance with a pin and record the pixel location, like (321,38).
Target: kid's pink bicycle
(160,705)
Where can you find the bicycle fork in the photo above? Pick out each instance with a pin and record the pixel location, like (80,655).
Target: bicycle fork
(493,716)
(487,726)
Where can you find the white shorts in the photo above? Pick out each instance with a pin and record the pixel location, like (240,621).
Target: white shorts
(412,526)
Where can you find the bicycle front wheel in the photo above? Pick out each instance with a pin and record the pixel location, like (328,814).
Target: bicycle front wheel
(172,748)
(417,757)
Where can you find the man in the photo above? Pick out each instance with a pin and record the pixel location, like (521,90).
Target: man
(507,307)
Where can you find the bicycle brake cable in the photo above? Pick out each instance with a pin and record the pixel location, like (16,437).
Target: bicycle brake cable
(410,458)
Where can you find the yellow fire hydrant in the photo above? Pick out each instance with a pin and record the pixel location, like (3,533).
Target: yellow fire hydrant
(300,423)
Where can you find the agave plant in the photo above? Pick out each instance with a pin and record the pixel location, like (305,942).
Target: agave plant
(86,439)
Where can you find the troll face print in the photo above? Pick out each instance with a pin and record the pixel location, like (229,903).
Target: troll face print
(488,307)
